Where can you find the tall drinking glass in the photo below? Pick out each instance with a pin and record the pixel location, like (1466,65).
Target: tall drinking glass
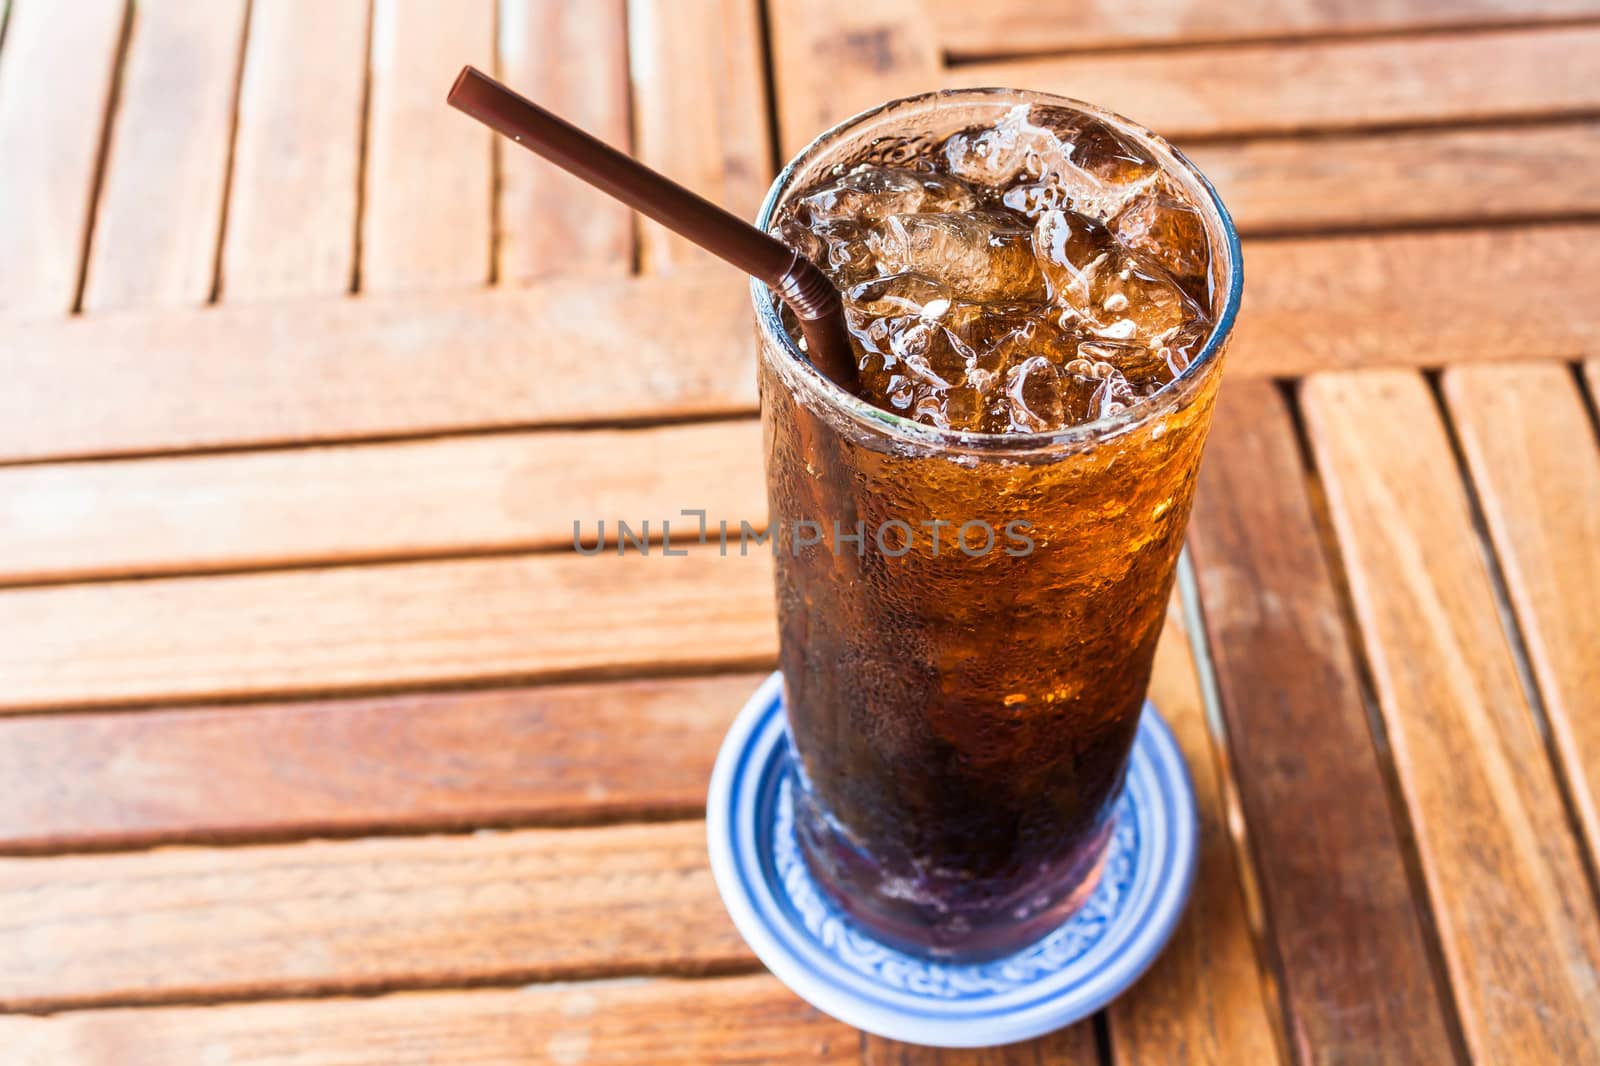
(968,621)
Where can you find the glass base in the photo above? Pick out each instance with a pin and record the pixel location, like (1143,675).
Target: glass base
(908,914)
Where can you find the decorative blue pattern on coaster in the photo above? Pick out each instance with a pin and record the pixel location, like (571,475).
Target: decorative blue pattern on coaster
(831,963)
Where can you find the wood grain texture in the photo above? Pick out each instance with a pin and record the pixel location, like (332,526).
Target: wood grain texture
(1289,185)
(1325,85)
(833,58)
(1344,930)
(166,170)
(1531,447)
(572,59)
(428,216)
(1020,26)
(50,165)
(317,370)
(1074,1046)
(564,753)
(365,502)
(1204,1001)
(297,152)
(356,628)
(1417,299)
(1510,897)
(356,915)
(700,110)
(726,1021)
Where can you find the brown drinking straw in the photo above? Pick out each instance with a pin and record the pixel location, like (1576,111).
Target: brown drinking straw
(807,291)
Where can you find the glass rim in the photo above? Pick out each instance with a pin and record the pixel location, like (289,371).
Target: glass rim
(909,430)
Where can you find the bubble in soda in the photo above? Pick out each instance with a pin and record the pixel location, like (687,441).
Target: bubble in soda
(1019,278)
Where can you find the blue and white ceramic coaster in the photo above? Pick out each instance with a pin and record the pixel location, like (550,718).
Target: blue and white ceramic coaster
(828,961)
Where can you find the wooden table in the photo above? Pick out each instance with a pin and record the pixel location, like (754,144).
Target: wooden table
(322,746)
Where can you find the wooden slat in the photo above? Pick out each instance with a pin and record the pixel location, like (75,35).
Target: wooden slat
(1422,299)
(428,215)
(326,370)
(1531,447)
(1511,899)
(156,926)
(1203,1002)
(833,58)
(1344,929)
(322,370)
(50,162)
(1003,27)
(728,1021)
(297,152)
(365,502)
(568,753)
(1436,176)
(571,58)
(700,109)
(155,237)
(1326,85)
(681,345)
(356,628)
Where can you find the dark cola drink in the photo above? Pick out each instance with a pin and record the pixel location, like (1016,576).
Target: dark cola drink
(974,554)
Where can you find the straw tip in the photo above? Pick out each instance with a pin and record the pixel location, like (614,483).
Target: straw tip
(469,73)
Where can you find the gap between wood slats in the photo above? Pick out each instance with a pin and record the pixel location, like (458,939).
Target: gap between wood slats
(363,148)
(228,156)
(102,157)
(1399,809)
(1589,388)
(769,76)
(692,972)
(488,429)
(956,57)
(1516,640)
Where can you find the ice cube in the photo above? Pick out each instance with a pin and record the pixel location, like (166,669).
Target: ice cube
(1168,232)
(870,193)
(899,294)
(1091,389)
(1116,296)
(1099,171)
(1183,347)
(804,241)
(1032,199)
(918,367)
(846,251)
(1033,388)
(1143,369)
(982,256)
(995,156)
(964,408)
